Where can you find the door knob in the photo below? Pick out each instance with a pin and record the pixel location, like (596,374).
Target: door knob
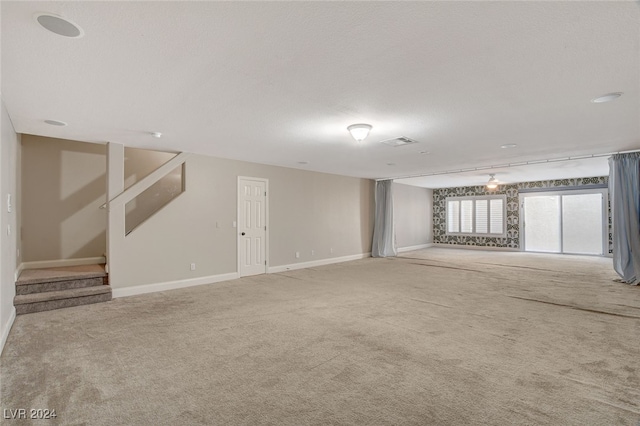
(242,233)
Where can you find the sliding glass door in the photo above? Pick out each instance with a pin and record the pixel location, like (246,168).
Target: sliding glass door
(567,222)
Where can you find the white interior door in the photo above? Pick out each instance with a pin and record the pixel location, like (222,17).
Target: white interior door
(252,226)
(565,222)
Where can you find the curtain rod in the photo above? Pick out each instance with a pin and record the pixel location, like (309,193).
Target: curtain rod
(522,163)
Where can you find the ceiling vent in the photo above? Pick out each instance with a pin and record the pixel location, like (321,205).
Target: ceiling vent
(399,141)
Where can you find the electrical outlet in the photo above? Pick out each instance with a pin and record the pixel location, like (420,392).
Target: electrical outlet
(313,252)
(331,250)
(297,255)
(193,266)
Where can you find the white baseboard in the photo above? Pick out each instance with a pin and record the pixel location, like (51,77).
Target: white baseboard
(412,248)
(7,329)
(466,247)
(172,285)
(62,262)
(320,262)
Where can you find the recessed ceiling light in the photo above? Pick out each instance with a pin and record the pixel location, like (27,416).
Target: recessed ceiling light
(606,98)
(55,122)
(59,25)
(303,162)
(425,152)
(508,145)
(391,164)
(156,134)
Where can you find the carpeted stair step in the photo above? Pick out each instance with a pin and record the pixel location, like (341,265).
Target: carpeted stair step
(49,300)
(57,284)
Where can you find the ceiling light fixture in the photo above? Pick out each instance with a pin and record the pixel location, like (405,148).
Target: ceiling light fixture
(359,131)
(508,145)
(493,182)
(606,98)
(156,134)
(59,25)
(55,123)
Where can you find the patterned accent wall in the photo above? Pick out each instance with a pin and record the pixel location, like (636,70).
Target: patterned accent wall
(512,192)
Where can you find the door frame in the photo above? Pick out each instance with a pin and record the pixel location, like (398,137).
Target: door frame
(605,216)
(266,221)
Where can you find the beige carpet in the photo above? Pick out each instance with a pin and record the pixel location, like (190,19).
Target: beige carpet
(439,336)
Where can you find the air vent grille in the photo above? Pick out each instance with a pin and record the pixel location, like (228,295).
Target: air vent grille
(399,141)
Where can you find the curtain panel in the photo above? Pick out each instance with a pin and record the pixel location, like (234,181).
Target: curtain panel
(384,243)
(624,193)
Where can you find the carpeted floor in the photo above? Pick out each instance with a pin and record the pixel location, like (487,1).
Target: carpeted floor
(435,337)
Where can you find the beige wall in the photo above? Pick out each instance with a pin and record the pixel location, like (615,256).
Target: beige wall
(413,215)
(138,163)
(9,243)
(307,211)
(63,186)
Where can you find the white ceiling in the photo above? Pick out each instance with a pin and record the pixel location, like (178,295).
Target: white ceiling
(279,82)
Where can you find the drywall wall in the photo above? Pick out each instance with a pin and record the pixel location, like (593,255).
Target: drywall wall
(512,192)
(9,224)
(63,187)
(413,215)
(64,184)
(328,214)
(138,163)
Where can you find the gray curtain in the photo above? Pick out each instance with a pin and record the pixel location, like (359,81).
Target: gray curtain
(384,243)
(624,193)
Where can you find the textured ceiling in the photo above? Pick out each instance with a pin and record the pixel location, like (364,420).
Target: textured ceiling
(279,82)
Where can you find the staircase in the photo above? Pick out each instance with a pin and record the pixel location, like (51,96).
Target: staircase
(54,288)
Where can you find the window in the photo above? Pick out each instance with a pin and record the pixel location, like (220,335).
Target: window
(571,221)
(480,216)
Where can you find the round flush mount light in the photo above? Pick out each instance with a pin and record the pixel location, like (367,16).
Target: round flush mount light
(359,131)
(59,25)
(606,98)
(156,134)
(55,123)
(391,164)
(508,145)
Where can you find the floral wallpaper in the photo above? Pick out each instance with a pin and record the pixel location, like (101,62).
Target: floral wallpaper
(512,191)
